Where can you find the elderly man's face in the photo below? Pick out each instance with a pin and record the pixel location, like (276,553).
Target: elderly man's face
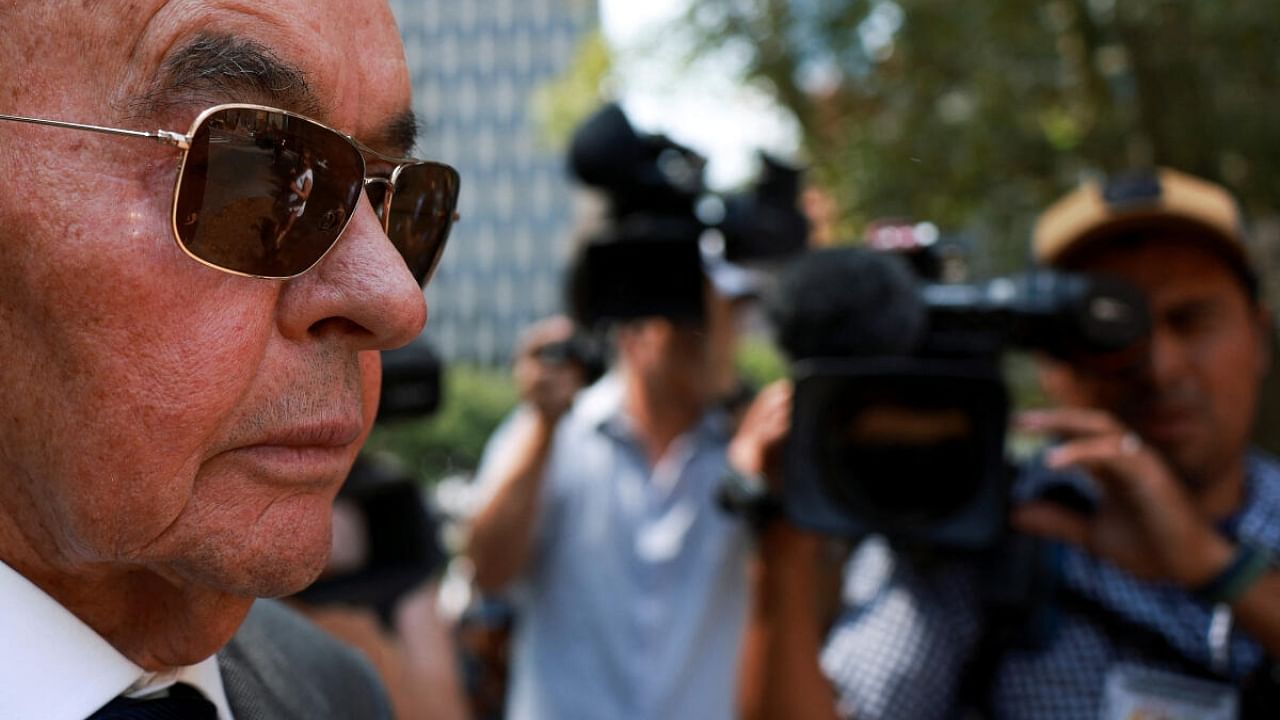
(160,415)
(1193,397)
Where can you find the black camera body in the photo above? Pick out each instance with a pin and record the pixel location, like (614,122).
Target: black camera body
(647,261)
(412,385)
(900,410)
(579,349)
(618,279)
(908,447)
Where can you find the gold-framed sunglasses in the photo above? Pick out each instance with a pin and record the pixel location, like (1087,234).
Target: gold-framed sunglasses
(263,192)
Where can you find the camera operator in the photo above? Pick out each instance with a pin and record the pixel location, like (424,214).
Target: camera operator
(1163,596)
(631,583)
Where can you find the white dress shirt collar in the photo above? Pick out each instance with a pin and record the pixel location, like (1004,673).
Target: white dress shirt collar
(56,667)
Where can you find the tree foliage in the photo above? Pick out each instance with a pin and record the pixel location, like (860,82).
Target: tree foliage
(976,114)
(475,400)
(562,104)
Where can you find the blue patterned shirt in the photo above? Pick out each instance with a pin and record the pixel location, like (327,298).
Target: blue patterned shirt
(905,637)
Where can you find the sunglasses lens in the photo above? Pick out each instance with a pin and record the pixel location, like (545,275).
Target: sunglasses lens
(421,215)
(265,193)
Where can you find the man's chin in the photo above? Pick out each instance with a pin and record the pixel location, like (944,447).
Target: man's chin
(257,571)
(287,580)
(291,570)
(1188,464)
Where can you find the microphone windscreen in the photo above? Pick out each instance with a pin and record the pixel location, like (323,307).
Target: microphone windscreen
(847,302)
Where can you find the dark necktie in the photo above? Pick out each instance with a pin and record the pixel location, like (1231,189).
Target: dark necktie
(182,703)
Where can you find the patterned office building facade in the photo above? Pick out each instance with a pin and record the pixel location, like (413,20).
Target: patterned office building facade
(476,65)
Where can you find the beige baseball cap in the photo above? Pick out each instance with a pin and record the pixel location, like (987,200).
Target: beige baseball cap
(1135,202)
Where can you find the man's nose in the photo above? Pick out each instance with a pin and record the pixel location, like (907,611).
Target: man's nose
(362,289)
(1167,358)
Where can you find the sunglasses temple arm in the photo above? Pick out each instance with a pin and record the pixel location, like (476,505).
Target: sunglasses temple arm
(169,138)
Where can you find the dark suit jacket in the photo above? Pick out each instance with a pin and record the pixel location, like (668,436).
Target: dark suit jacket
(281,667)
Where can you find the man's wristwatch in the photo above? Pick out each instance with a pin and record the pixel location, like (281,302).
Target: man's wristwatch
(1250,562)
(747,495)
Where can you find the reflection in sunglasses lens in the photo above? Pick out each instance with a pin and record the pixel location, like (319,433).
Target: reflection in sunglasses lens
(265,193)
(422,215)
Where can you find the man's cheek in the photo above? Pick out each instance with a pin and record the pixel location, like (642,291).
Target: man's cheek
(370,385)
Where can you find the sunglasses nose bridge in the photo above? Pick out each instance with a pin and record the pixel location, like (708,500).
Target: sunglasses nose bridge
(384,212)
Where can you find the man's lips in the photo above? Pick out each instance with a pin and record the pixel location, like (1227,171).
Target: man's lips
(338,433)
(315,453)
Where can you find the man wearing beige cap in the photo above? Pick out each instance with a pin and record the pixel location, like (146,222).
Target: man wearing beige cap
(1158,591)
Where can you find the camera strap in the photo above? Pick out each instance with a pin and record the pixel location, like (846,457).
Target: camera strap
(1020,584)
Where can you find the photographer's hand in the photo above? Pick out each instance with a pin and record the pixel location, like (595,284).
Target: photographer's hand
(551,390)
(1147,522)
(757,446)
(547,386)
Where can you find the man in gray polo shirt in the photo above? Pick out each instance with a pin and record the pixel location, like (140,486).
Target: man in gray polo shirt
(602,524)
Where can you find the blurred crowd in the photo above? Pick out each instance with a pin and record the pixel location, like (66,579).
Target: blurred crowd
(648,535)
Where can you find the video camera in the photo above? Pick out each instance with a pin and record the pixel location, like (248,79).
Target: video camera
(394,544)
(411,383)
(900,411)
(647,260)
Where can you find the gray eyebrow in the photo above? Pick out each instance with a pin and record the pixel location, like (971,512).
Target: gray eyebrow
(401,133)
(215,68)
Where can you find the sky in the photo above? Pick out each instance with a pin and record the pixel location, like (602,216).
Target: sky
(705,107)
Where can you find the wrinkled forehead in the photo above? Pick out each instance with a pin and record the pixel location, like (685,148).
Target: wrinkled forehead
(339,61)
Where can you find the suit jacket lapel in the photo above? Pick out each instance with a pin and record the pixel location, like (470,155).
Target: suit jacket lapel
(281,667)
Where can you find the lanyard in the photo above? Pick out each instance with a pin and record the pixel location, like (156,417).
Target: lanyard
(1220,639)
